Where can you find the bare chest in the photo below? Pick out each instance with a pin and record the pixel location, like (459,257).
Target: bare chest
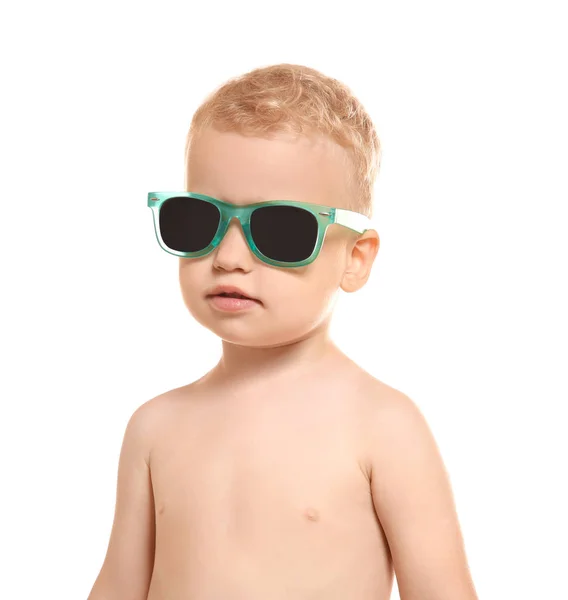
(265,492)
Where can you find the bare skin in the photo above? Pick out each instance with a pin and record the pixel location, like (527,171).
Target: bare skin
(260,473)
(266,494)
(282,473)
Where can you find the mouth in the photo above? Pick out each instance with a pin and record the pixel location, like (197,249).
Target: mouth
(231,292)
(232,302)
(232,295)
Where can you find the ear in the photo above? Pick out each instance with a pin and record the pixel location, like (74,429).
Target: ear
(360,257)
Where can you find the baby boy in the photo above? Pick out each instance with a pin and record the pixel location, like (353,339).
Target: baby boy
(287,471)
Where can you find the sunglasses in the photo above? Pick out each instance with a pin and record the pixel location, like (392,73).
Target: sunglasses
(280,233)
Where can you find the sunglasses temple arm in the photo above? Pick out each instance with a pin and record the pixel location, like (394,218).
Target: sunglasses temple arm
(353,220)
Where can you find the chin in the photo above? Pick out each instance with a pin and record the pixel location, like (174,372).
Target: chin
(242,334)
(250,338)
(252,330)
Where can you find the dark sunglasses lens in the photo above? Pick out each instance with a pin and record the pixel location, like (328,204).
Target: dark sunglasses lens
(284,233)
(188,224)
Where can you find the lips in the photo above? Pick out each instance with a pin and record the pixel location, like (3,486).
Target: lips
(233,295)
(231,291)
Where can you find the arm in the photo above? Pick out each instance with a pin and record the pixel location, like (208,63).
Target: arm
(415,505)
(129,561)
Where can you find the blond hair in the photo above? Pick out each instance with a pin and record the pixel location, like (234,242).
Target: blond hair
(293,98)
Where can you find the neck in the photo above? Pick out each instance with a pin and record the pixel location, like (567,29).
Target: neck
(246,366)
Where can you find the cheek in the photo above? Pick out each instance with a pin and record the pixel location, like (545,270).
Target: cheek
(192,280)
(332,260)
(308,292)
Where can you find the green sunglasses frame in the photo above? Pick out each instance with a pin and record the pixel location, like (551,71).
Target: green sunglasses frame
(325,216)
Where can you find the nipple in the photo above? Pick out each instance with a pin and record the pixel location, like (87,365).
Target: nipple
(311,514)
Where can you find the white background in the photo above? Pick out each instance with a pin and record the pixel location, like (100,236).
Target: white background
(465,310)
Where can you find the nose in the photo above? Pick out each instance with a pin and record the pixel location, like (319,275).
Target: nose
(233,251)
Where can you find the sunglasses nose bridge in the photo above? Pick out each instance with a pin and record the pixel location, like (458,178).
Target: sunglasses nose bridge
(240,220)
(229,213)
(240,213)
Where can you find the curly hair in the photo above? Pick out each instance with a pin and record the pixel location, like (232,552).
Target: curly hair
(297,99)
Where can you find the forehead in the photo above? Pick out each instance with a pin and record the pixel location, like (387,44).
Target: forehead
(245,169)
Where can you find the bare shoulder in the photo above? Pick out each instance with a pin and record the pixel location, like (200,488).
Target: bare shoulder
(385,401)
(391,416)
(400,446)
(380,397)
(153,418)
